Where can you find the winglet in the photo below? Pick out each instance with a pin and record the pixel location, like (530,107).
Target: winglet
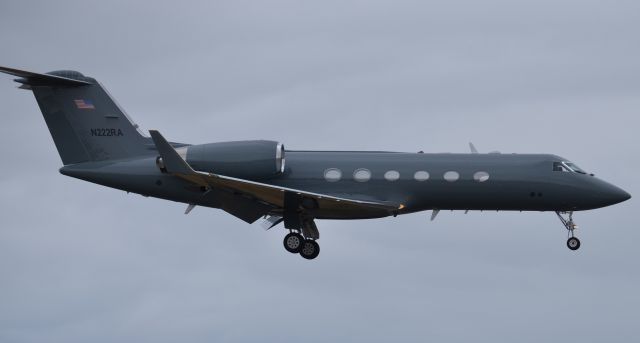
(170,157)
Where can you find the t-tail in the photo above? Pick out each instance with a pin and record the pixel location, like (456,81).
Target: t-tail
(85,122)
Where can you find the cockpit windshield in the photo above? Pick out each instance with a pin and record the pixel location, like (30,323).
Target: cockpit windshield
(574,167)
(568,167)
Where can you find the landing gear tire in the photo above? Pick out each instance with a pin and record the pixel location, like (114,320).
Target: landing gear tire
(310,249)
(293,242)
(573,243)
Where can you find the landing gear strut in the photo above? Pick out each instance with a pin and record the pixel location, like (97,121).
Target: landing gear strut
(573,243)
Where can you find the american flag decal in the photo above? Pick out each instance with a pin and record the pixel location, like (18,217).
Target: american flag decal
(84,104)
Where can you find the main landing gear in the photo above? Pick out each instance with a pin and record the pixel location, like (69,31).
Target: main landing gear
(295,243)
(573,243)
(310,249)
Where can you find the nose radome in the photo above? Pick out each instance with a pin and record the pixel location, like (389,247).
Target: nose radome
(624,196)
(617,195)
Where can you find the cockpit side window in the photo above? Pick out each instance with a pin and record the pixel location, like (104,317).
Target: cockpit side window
(567,167)
(560,167)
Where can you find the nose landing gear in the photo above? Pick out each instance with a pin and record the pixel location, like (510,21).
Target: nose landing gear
(573,243)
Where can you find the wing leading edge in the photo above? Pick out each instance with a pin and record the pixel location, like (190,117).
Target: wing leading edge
(270,194)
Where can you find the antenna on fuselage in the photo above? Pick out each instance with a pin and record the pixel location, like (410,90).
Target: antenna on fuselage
(434,214)
(473,148)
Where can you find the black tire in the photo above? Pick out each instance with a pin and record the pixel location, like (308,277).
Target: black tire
(310,249)
(290,240)
(573,243)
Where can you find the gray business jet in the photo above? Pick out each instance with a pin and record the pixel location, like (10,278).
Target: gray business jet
(250,180)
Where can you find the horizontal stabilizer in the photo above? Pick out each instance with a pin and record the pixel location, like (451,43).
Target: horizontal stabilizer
(37,79)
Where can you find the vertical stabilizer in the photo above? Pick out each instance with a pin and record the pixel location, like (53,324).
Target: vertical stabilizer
(85,122)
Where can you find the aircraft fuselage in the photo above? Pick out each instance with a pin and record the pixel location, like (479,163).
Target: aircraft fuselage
(98,142)
(418,181)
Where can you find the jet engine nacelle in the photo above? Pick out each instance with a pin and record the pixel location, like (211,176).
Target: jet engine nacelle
(242,159)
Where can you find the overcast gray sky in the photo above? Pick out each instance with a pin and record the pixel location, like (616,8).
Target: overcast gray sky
(84,263)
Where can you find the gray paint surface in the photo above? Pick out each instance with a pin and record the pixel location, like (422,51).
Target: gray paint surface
(99,143)
(527,77)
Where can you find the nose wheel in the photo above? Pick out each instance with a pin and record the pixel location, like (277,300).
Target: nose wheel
(566,218)
(573,243)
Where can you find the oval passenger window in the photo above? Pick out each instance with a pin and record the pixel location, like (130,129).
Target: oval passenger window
(451,176)
(362,175)
(481,176)
(421,175)
(332,174)
(392,175)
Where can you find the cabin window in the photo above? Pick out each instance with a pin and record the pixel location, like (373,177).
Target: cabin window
(481,176)
(421,175)
(362,175)
(451,176)
(392,175)
(332,174)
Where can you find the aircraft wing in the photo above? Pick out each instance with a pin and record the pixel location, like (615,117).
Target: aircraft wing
(266,193)
(274,195)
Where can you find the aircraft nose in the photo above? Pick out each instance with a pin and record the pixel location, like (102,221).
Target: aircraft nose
(615,195)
